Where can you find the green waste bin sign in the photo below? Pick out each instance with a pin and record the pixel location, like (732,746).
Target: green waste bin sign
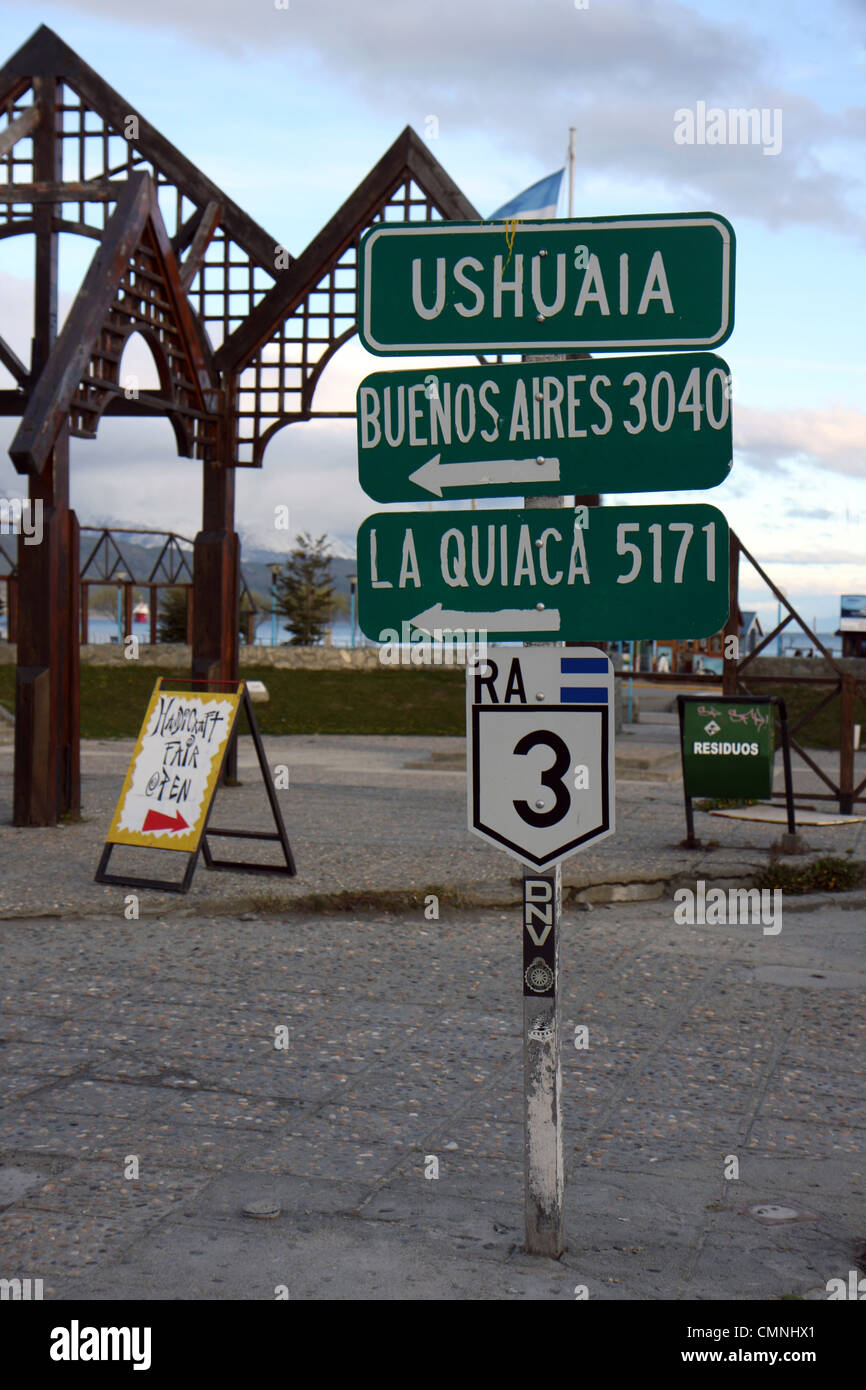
(727,748)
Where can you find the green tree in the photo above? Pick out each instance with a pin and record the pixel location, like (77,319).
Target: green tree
(171,615)
(305,593)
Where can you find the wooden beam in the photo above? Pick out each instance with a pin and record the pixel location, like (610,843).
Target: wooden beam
(12,362)
(87,190)
(48,405)
(185,232)
(22,126)
(210,220)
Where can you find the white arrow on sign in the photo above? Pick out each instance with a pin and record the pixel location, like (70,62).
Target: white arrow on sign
(433,476)
(500,620)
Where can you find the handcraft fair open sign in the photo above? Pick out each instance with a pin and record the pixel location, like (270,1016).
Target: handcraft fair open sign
(173,771)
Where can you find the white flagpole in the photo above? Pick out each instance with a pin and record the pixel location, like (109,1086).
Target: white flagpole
(572,145)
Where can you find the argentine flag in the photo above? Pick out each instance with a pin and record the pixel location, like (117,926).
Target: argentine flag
(538,201)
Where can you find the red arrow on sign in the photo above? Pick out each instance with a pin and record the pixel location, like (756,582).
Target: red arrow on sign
(155,820)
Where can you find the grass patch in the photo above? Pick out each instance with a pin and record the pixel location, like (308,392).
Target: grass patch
(396,900)
(829,874)
(391,701)
(419,700)
(423,701)
(823,730)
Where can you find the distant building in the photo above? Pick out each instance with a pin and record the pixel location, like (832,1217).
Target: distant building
(852,626)
(707,654)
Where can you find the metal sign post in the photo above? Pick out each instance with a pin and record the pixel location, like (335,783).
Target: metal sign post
(544,1160)
(543,1150)
(538,721)
(541,786)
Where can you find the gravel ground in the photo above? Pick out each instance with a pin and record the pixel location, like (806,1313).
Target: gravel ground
(148,1048)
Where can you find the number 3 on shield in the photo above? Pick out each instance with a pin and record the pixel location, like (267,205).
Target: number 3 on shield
(552,777)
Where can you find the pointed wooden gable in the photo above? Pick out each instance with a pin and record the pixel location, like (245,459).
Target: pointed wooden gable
(285,343)
(133,285)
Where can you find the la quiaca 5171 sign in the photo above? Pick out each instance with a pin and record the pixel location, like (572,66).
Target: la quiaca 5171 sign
(537,575)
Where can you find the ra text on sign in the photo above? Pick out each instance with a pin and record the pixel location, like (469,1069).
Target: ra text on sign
(536,575)
(627,424)
(598,283)
(540,752)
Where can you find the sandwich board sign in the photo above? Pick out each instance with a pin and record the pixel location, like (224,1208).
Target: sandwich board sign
(173,774)
(621,424)
(599,283)
(539,724)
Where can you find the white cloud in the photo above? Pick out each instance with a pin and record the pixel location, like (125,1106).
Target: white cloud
(618,70)
(832,439)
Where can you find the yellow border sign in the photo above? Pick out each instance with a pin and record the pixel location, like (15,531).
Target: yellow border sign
(174,768)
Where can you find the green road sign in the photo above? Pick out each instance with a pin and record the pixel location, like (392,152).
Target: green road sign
(535,575)
(728,748)
(621,424)
(606,283)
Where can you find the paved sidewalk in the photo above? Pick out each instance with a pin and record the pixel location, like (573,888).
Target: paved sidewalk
(360,821)
(154,1041)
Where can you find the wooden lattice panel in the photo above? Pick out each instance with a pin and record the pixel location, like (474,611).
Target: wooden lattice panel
(143,304)
(16,166)
(278,384)
(96,153)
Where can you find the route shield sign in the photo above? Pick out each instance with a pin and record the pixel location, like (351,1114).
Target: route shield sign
(603,283)
(626,424)
(537,575)
(539,725)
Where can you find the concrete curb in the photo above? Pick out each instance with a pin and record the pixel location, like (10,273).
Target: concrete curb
(395,901)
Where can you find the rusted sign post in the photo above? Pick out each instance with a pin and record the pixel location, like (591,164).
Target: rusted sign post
(543,1153)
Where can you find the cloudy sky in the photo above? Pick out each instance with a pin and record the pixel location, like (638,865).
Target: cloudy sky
(287,108)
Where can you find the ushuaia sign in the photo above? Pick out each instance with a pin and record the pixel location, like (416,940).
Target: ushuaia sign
(625,283)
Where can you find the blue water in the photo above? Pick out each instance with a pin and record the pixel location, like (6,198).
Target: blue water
(105,630)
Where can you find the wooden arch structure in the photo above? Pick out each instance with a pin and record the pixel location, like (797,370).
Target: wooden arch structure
(240,331)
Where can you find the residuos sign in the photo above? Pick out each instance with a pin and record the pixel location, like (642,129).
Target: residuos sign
(728,749)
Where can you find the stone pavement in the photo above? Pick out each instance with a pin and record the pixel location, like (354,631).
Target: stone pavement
(361,821)
(152,1043)
(149,1045)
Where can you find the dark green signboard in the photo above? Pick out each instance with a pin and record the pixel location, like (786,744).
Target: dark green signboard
(537,575)
(606,283)
(623,424)
(728,748)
